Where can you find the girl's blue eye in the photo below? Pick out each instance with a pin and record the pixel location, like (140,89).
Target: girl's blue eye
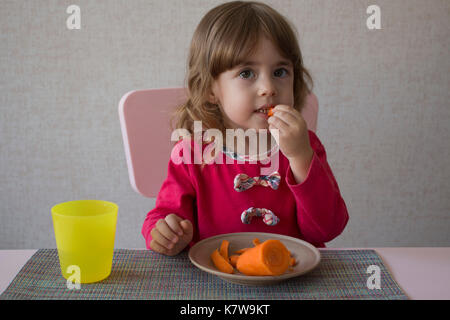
(246,74)
(282,72)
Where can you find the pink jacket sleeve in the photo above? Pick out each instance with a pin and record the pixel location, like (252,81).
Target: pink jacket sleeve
(321,211)
(177,195)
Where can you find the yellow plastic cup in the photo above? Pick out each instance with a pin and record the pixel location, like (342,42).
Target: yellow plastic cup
(84,233)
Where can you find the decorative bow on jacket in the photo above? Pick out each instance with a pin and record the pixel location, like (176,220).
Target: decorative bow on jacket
(267,215)
(243,182)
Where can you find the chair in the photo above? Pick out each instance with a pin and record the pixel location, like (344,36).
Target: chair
(144,115)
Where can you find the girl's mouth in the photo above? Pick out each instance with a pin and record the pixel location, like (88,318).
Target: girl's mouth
(266,112)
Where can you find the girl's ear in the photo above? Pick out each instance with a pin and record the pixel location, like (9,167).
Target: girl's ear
(211,96)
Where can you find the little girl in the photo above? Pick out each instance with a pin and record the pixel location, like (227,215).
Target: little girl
(245,58)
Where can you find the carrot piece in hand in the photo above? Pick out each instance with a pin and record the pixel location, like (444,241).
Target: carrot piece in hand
(220,262)
(224,249)
(270,258)
(270,112)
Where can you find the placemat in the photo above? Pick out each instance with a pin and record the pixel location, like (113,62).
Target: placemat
(144,274)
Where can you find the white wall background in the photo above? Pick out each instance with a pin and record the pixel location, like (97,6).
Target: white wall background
(384,109)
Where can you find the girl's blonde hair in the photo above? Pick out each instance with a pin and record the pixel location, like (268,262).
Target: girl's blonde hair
(224,38)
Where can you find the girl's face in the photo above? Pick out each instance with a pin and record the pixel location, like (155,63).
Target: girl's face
(265,78)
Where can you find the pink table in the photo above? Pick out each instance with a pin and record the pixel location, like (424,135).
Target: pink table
(422,273)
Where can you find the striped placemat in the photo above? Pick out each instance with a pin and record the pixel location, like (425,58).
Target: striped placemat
(144,274)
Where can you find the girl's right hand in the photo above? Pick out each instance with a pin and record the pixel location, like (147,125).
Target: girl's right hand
(171,235)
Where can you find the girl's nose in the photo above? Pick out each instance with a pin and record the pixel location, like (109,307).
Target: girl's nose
(266,88)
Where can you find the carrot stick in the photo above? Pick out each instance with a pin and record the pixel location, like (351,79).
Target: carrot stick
(220,262)
(224,249)
(233,259)
(270,112)
(270,258)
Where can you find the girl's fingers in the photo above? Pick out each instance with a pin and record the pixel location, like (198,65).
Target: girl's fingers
(281,107)
(188,229)
(164,239)
(161,238)
(286,117)
(173,222)
(167,230)
(278,123)
(186,224)
(155,246)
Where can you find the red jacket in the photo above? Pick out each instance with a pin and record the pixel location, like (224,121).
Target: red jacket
(312,210)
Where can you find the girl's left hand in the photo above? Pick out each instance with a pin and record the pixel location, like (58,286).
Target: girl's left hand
(293,132)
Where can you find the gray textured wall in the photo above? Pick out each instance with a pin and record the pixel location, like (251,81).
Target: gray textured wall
(383,94)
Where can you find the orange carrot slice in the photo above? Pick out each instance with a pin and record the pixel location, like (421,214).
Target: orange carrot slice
(224,249)
(233,259)
(270,112)
(270,258)
(240,251)
(256,241)
(220,262)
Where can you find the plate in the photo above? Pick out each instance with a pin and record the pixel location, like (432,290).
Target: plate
(306,255)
